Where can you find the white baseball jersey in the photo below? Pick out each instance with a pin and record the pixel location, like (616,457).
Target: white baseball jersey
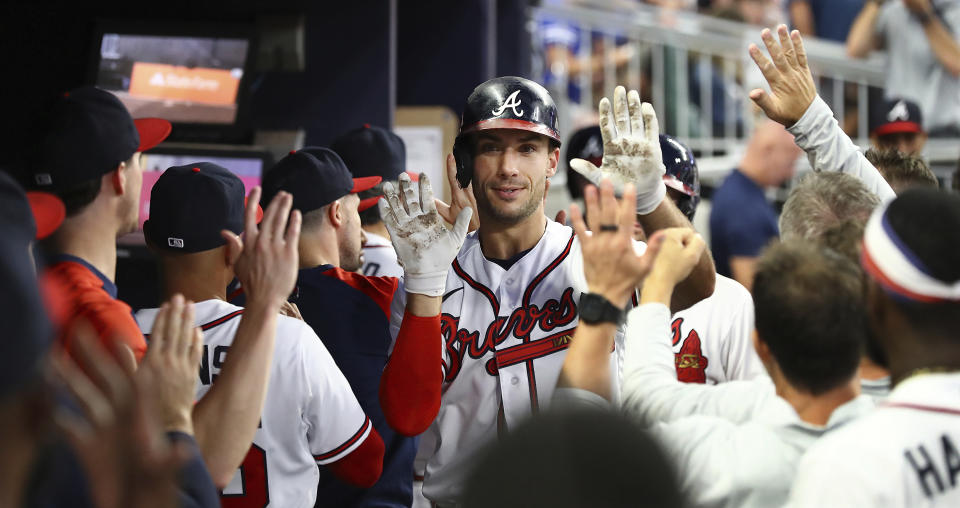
(734,444)
(905,453)
(504,338)
(379,257)
(712,339)
(310,416)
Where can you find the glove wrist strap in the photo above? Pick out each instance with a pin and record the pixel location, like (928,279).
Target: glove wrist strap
(649,200)
(429,284)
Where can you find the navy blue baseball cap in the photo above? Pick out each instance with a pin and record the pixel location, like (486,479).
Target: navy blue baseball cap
(27,331)
(191,204)
(894,116)
(87,134)
(316,177)
(373,151)
(37,213)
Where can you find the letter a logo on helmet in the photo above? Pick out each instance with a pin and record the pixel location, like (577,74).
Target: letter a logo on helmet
(527,106)
(512,102)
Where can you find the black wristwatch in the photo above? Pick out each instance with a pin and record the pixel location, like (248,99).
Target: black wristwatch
(596,309)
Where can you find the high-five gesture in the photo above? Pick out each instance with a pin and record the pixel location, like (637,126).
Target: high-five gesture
(631,149)
(613,269)
(460,198)
(267,259)
(791,84)
(425,247)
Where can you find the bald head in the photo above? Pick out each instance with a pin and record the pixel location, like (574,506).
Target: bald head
(771,155)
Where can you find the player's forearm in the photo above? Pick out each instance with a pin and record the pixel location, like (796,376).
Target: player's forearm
(650,380)
(830,149)
(587,364)
(945,47)
(861,38)
(411,382)
(699,284)
(226,419)
(423,305)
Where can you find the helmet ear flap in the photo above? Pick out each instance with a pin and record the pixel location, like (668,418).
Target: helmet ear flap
(463,154)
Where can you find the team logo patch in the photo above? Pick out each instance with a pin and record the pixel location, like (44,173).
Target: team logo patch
(690,362)
(176,243)
(512,102)
(898,112)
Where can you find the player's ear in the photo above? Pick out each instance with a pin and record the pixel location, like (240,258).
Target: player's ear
(554,161)
(335,213)
(118,178)
(761,347)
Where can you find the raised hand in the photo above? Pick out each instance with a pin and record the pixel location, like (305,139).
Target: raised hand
(425,247)
(459,198)
(613,269)
(267,259)
(631,150)
(118,435)
(679,251)
(172,359)
(792,89)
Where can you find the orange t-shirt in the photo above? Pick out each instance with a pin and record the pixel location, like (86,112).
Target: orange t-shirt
(76,293)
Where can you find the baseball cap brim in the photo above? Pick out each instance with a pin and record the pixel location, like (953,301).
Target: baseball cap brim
(152,132)
(48,212)
(366,204)
(364,183)
(897,127)
(246,202)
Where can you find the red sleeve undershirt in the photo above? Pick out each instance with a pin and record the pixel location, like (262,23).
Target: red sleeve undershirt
(362,466)
(411,383)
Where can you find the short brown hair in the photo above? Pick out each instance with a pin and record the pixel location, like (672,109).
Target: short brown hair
(822,200)
(901,170)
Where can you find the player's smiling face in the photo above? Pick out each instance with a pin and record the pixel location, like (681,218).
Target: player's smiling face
(511,168)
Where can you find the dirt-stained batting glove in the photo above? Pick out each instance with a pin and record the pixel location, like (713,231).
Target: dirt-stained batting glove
(631,150)
(424,245)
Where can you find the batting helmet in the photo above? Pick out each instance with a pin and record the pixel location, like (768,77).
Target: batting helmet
(682,173)
(507,102)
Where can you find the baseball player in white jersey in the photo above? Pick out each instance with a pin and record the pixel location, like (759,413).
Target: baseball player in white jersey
(379,257)
(737,443)
(512,297)
(310,415)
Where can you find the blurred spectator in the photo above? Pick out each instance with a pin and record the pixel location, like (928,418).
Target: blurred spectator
(827,19)
(579,458)
(742,222)
(922,40)
(897,124)
(900,170)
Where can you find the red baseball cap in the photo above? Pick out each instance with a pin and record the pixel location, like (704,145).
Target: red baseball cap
(48,212)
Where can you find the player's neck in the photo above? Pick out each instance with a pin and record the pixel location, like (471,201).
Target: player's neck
(500,241)
(198,277)
(379,229)
(816,409)
(927,357)
(318,248)
(871,371)
(89,239)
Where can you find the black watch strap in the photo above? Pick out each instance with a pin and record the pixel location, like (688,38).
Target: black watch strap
(595,309)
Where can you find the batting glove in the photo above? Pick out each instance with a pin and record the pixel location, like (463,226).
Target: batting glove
(424,245)
(631,150)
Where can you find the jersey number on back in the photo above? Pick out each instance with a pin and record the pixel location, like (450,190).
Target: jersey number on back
(253,483)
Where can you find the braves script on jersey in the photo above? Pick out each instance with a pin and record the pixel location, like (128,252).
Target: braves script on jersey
(310,416)
(504,333)
(712,339)
(905,453)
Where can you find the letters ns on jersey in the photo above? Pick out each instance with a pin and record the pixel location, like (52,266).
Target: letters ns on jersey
(519,324)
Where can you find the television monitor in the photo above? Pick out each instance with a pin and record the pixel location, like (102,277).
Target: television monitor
(248,164)
(187,75)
